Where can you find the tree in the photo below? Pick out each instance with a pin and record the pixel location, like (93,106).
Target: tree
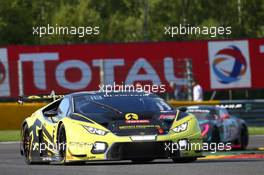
(126,20)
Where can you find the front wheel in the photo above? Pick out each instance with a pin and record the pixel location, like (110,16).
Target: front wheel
(62,144)
(243,138)
(184,159)
(215,136)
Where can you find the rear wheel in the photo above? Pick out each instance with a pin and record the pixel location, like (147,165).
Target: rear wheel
(215,136)
(62,144)
(26,144)
(215,139)
(243,137)
(184,160)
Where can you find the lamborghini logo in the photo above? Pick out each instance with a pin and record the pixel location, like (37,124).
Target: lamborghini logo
(131,116)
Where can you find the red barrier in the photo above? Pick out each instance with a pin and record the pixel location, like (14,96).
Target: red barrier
(67,68)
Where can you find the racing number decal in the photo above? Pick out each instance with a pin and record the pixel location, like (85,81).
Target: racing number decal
(131,116)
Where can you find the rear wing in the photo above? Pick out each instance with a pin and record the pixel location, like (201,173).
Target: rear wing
(39,98)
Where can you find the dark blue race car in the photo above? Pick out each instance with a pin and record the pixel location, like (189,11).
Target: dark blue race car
(217,125)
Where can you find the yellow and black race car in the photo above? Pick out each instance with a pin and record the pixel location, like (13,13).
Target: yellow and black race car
(89,126)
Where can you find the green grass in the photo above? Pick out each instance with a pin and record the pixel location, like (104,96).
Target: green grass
(256,130)
(13,135)
(9,135)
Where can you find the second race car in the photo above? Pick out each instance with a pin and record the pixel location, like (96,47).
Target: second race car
(218,125)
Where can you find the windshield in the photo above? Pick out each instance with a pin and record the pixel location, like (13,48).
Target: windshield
(87,104)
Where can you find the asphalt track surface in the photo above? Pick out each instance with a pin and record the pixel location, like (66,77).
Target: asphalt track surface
(12,163)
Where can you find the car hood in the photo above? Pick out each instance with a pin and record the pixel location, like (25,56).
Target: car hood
(145,123)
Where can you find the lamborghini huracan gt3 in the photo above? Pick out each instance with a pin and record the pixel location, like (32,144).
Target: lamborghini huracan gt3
(89,126)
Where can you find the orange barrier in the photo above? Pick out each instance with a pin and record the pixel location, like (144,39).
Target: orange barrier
(12,114)
(190,103)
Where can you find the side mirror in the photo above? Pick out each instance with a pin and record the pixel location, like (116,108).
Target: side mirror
(182,109)
(20,100)
(226,116)
(51,113)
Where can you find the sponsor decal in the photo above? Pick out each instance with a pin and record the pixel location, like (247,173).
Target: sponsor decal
(139,126)
(4,74)
(167,116)
(90,157)
(137,121)
(198,110)
(131,116)
(230,106)
(229,64)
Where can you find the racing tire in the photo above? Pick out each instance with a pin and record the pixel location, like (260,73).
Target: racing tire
(62,147)
(215,139)
(184,160)
(215,136)
(26,144)
(142,160)
(243,140)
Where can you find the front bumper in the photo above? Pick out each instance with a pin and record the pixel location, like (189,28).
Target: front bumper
(124,148)
(135,150)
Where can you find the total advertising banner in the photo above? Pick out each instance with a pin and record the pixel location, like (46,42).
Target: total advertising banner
(4,73)
(217,65)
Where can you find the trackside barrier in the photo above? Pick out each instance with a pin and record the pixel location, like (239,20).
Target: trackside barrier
(190,103)
(252,111)
(12,114)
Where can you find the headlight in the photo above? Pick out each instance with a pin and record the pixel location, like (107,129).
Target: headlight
(181,127)
(95,130)
(183,144)
(99,147)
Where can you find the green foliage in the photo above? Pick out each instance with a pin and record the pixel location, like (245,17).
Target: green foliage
(127,20)
(9,135)
(256,130)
